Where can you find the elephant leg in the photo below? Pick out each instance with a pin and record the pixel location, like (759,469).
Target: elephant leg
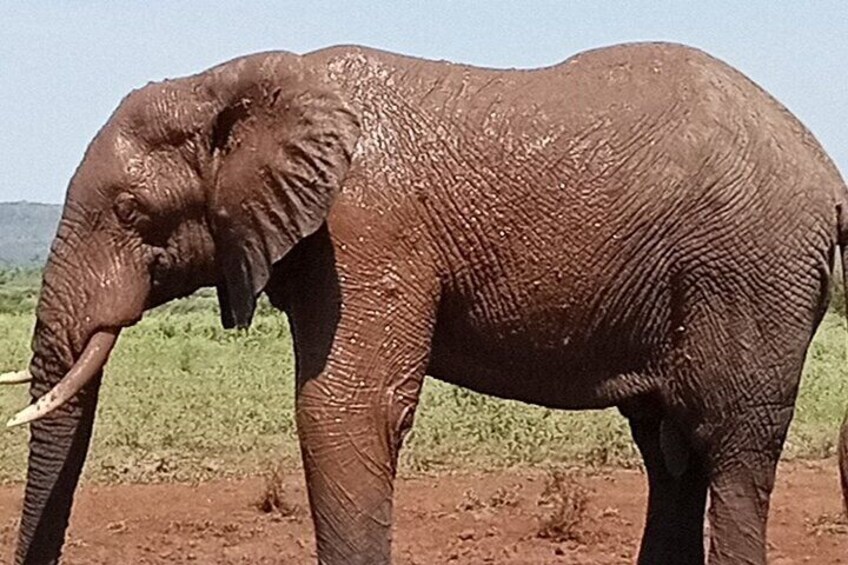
(739,504)
(350,438)
(732,372)
(353,408)
(677,492)
(743,431)
(742,477)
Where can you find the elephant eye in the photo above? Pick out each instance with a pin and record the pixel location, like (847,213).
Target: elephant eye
(129,213)
(125,208)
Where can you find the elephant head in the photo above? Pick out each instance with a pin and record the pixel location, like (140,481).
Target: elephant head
(201,181)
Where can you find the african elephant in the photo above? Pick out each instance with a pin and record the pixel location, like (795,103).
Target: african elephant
(640,226)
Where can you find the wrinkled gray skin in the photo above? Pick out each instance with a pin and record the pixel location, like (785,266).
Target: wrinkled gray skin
(640,226)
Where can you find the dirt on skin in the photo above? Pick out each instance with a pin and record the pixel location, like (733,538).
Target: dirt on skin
(491,518)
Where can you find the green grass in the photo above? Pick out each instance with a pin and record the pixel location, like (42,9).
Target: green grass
(185,400)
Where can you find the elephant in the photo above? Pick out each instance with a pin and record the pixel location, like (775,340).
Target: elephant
(640,226)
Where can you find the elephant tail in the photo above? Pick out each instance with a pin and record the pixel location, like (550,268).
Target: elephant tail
(842,212)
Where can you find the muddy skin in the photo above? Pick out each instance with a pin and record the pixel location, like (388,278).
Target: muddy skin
(640,226)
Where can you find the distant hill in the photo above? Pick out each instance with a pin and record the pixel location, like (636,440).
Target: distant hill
(26,230)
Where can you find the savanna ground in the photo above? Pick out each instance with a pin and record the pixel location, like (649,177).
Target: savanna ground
(195,433)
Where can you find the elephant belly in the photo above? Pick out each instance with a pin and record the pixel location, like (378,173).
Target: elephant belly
(568,378)
(591,346)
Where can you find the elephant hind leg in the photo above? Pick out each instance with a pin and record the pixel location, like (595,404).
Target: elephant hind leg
(677,491)
(739,403)
(743,466)
(730,370)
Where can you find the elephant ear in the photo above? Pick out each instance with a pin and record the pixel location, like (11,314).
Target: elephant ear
(281,148)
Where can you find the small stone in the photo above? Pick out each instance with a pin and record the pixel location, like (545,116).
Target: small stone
(609,512)
(466,535)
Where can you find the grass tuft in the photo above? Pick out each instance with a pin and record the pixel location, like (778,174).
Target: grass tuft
(565,508)
(274,498)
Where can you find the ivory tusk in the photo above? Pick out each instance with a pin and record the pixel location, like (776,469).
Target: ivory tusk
(15,378)
(92,359)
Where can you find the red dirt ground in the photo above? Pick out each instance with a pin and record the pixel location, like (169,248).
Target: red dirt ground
(449,519)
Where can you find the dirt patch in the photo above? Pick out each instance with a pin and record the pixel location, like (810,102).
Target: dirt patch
(472,519)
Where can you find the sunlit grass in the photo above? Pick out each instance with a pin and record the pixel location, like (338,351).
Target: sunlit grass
(184,400)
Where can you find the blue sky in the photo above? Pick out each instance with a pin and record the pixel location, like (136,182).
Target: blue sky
(63,70)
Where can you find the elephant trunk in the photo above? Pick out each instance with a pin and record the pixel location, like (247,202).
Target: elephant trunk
(57,450)
(88,366)
(79,315)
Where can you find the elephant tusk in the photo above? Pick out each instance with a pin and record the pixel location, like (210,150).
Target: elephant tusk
(15,378)
(92,360)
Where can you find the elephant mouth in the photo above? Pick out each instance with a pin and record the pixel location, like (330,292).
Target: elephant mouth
(90,363)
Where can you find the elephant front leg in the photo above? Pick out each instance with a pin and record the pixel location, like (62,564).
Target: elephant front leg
(351,429)
(352,417)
